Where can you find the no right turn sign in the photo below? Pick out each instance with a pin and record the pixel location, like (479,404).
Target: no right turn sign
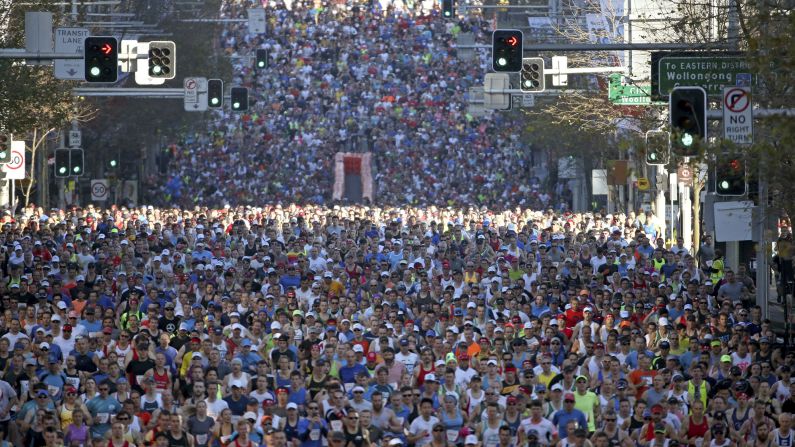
(738,116)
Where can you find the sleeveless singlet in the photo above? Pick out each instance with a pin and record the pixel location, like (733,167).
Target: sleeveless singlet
(316,385)
(291,431)
(474,402)
(424,372)
(781,441)
(66,417)
(241,381)
(738,422)
(162,381)
(181,442)
(353,274)
(697,430)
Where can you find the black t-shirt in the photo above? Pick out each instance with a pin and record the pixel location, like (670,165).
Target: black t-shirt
(138,368)
(168,325)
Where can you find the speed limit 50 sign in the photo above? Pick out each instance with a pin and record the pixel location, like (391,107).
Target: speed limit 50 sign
(100,190)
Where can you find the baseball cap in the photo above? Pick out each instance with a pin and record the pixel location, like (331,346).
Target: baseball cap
(568,396)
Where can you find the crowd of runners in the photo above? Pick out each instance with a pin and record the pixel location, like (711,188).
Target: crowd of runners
(356,326)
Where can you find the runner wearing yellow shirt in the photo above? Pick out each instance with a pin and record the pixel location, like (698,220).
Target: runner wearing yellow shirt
(586,401)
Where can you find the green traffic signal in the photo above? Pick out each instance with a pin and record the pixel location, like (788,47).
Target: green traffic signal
(114,163)
(687,139)
(62,170)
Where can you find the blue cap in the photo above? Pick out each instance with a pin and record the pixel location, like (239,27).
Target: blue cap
(53,358)
(218,331)
(331,328)
(540,387)
(19,345)
(246,342)
(458,312)
(196,306)
(431,333)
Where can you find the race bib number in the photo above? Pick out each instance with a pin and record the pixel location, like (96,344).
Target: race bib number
(314,434)
(103,418)
(53,390)
(336,425)
(201,439)
(452,436)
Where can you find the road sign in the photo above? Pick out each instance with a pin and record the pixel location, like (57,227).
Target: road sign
(256,20)
(684,174)
(195,94)
(622,94)
(643,184)
(714,73)
(15,168)
(100,190)
(70,40)
(75,138)
(494,84)
(738,115)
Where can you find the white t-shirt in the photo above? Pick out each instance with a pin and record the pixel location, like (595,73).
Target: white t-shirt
(545,428)
(410,360)
(418,425)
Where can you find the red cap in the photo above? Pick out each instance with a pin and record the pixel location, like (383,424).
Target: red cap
(195,340)
(657,409)
(67,328)
(463,356)
(599,346)
(371,356)
(282,390)
(446,264)
(516,319)
(107,331)
(568,396)
(484,340)
(511,399)
(510,368)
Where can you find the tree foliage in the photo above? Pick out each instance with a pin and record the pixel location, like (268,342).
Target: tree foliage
(30,96)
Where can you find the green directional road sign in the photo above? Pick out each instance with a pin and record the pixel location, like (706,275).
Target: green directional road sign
(628,94)
(713,73)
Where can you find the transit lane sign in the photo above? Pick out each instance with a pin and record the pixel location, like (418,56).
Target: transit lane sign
(70,40)
(738,115)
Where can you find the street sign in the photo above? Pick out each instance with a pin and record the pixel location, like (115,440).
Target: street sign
(15,169)
(528,100)
(684,174)
(100,190)
(494,84)
(643,184)
(75,138)
(738,115)
(628,94)
(713,73)
(70,40)
(256,20)
(195,99)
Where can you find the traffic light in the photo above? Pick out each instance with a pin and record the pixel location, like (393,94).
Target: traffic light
(448,8)
(262,59)
(113,163)
(62,162)
(688,112)
(730,176)
(658,151)
(215,93)
(506,50)
(162,59)
(239,97)
(76,162)
(532,75)
(5,148)
(101,59)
